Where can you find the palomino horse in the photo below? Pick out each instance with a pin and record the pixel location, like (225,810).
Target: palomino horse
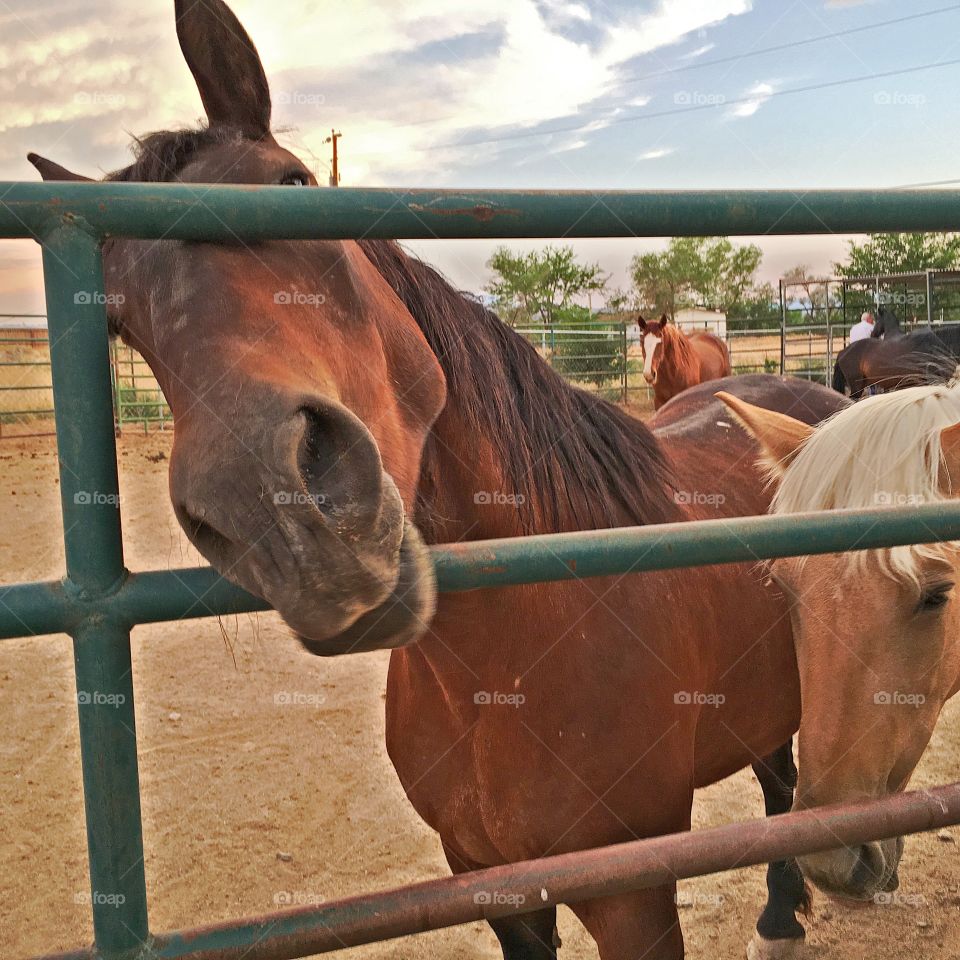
(322,438)
(674,360)
(877,663)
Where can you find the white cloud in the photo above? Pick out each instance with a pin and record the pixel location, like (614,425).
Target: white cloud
(699,52)
(359,64)
(758,95)
(657,153)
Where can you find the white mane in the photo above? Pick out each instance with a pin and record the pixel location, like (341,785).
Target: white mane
(882,451)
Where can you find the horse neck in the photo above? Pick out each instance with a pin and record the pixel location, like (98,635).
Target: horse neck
(517,450)
(679,357)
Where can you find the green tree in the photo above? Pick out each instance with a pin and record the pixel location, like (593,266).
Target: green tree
(540,284)
(705,272)
(886,253)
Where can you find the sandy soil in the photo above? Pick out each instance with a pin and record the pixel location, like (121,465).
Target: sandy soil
(249,802)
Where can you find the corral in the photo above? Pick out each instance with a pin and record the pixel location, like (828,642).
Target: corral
(99,601)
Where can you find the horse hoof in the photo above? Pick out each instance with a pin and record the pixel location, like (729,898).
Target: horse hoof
(760,948)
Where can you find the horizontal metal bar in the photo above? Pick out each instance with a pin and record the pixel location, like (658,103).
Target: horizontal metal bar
(533,884)
(162,595)
(200,212)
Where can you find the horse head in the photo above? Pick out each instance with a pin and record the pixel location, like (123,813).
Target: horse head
(877,633)
(302,389)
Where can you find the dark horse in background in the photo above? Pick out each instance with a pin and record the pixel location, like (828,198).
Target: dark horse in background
(394,407)
(925,356)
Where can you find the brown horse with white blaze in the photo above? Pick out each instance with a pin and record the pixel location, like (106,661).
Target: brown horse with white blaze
(674,361)
(319,443)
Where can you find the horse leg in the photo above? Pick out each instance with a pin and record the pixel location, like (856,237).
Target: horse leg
(779,934)
(643,925)
(526,936)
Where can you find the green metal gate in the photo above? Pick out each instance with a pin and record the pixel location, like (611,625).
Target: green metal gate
(98,602)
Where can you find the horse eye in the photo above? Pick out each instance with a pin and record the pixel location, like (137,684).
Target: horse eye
(296,178)
(935,597)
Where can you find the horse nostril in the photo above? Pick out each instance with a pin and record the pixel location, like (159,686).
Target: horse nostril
(338,462)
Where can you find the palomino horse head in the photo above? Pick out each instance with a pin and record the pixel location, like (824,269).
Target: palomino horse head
(877,632)
(653,334)
(302,389)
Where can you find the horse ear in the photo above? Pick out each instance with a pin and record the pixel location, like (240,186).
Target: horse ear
(780,437)
(950,460)
(664,319)
(53,171)
(225,64)
(641,323)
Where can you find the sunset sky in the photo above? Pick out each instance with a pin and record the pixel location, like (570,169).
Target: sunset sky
(465,94)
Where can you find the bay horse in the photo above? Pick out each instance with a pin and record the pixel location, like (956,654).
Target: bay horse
(914,359)
(338,406)
(674,361)
(876,664)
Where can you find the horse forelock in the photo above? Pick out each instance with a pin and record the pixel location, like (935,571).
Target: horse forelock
(160,156)
(579,461)
(882,451)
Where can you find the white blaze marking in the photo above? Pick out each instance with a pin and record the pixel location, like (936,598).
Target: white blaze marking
(650,342)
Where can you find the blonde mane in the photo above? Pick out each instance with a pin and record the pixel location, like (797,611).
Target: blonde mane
(882,451)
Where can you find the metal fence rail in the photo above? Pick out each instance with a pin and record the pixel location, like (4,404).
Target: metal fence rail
(99,601)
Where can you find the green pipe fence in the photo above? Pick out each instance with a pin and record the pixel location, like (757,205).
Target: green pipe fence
(99,601)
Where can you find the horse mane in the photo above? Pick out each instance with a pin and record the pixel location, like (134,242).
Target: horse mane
(160,156)
(676,344)
(580,462)
(883,450)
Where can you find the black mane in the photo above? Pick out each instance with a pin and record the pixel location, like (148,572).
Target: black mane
(160,156)
(580,462)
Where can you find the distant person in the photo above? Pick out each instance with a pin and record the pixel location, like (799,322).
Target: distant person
(864,329)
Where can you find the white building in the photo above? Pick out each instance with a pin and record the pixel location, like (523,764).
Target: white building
(696,318)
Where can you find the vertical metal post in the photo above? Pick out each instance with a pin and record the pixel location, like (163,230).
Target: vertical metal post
(80,363)
(929,298)
(783,329)
(623,370)
(829,367)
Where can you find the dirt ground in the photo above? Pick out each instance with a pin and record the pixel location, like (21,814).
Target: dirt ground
(250,800)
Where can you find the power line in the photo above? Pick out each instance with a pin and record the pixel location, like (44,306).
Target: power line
(733,58)
(695,65)
(696,108)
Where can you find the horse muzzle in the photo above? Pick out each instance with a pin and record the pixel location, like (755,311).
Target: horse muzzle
(855,873)
(293,504)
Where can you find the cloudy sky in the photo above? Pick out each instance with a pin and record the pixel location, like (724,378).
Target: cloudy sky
(514,93)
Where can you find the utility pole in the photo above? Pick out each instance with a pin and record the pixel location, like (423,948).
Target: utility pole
(335,169)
